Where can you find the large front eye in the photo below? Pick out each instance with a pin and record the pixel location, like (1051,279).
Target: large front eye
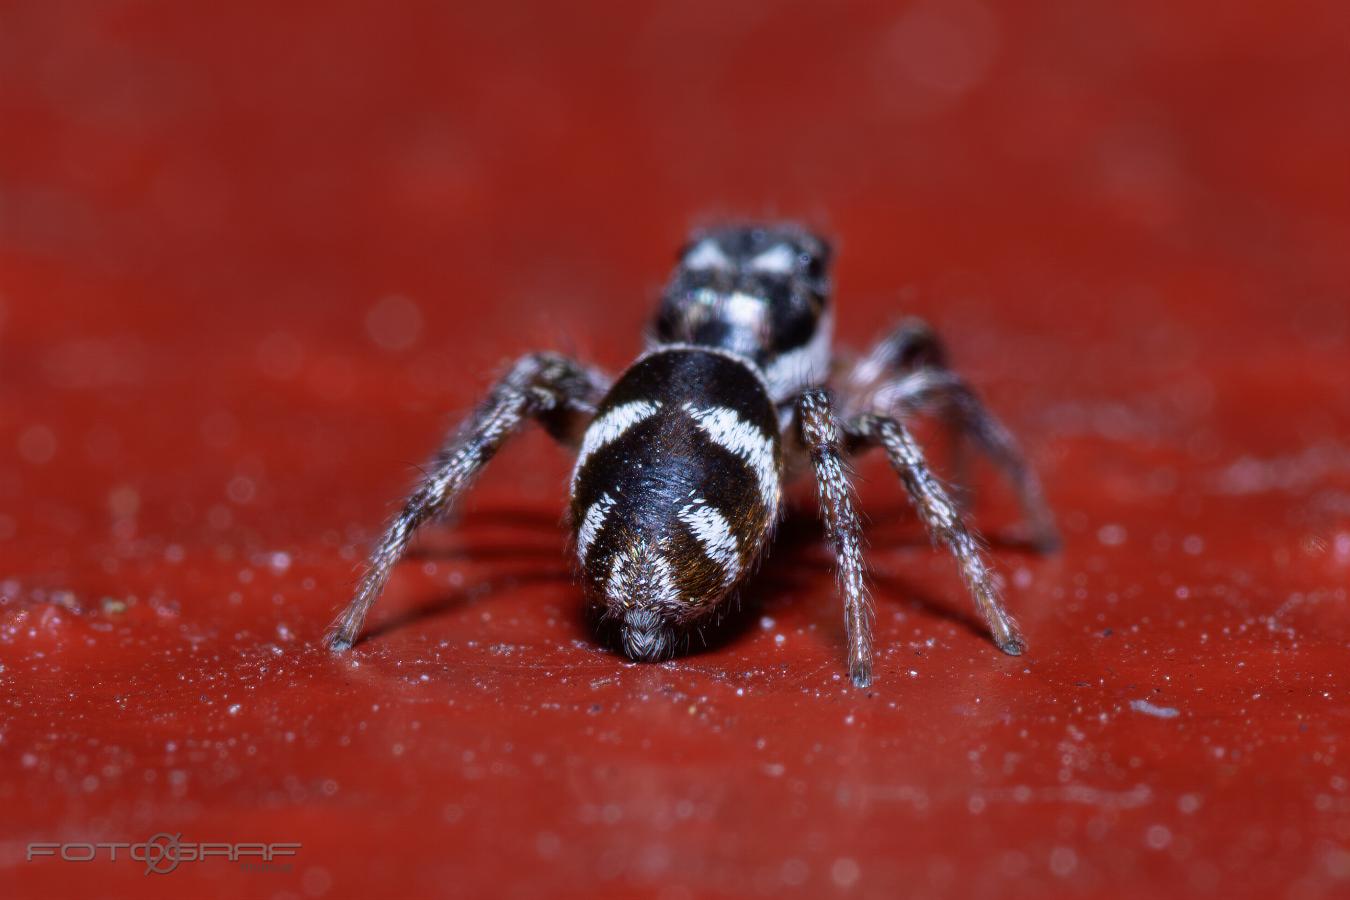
(795,323)
(816,257)
(815,266)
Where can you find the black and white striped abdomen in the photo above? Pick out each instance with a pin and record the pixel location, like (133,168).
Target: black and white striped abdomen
(677,483)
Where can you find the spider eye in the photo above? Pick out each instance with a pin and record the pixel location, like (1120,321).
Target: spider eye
(815,266)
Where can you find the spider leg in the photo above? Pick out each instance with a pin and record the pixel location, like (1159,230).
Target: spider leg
(911,346)
(928,388)
(558,392)
(818,433)
(907,373)
(942,519)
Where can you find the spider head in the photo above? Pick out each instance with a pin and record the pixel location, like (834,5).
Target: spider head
(759,291)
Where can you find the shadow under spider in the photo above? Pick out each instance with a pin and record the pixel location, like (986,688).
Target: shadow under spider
(797,553)
(442,603)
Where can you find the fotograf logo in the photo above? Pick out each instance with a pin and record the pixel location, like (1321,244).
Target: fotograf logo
(162,853)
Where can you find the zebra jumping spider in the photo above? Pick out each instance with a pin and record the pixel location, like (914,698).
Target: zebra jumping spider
(681,463)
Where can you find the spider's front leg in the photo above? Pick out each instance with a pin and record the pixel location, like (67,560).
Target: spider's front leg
(558,392)
(942,518)
(907,373)
(818,433)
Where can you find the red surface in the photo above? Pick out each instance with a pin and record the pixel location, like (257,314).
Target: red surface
(1130,225)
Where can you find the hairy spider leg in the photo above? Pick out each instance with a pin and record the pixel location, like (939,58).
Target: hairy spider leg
(907,373)
(558,392)
(818,433)
(943,520)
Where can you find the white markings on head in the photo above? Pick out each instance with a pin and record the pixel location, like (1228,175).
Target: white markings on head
(713,532)
(706,254)
(748,317)
(745,439)
(641,577)
(780,259)
(591,524)
(610,427)
(792,372)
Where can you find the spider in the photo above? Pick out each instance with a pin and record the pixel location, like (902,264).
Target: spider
(681,463)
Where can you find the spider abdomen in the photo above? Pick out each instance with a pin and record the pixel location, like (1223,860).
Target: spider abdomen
(675,492)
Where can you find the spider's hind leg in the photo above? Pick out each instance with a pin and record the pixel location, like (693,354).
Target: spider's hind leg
(942,519)
(907,373)
(558,392)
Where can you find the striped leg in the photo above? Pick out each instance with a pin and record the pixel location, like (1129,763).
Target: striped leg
(948,391)
(943,520)
(908,373)
(819,434)
(558,392)
(912,347)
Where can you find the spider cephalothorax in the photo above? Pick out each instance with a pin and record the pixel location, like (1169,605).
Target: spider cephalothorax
(762,293)
(679,473)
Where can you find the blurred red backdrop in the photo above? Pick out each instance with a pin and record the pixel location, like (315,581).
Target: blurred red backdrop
(254,256)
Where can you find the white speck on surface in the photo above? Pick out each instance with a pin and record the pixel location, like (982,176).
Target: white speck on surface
(241,489)
(845,872)
(1112,535)
(1148,709)
(280,355)
(794,872)
(37,444)
(124,501)
(394,323)
(1063,861)
(234,709)
(316,881)
(936,52)
(1341,543)
(547,844)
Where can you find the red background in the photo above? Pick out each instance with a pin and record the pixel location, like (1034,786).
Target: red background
(252,257)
